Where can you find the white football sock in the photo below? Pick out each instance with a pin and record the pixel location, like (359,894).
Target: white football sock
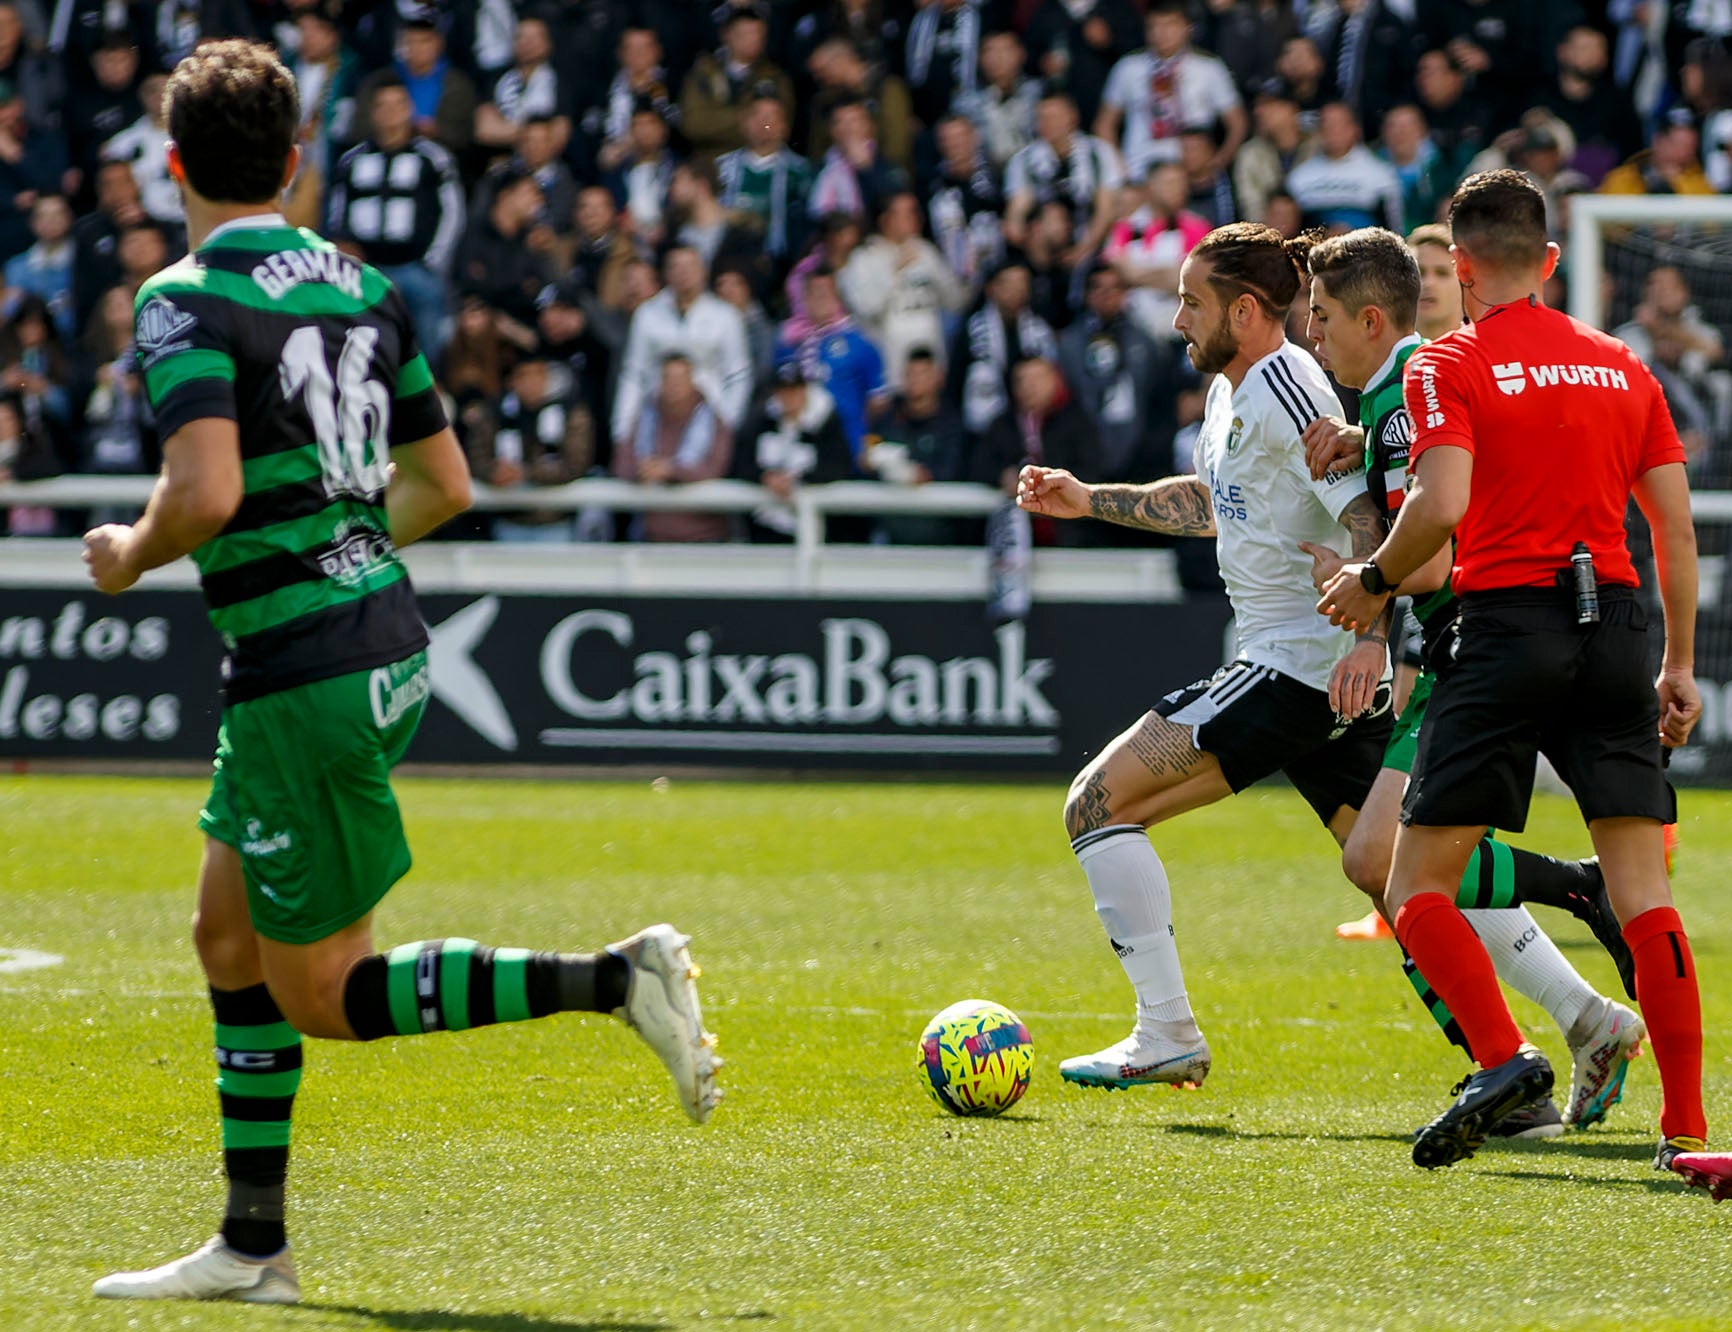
(1530,963)
(1136,907)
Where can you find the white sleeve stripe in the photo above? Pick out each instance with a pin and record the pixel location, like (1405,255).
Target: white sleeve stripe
(1276,388)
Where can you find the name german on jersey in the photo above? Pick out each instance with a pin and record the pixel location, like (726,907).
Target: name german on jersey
(287,269)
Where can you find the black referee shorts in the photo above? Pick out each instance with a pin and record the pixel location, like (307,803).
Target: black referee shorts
(1257,722)
(1525,678)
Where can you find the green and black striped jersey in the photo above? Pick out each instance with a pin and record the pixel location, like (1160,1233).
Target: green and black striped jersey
(311,353)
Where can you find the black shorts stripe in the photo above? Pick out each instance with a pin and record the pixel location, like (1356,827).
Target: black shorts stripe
(1285,373)
(1278,389)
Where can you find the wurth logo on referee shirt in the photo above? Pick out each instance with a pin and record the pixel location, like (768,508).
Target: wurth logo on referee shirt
(1512,376)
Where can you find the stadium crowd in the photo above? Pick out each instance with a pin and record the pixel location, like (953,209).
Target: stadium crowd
(806,240)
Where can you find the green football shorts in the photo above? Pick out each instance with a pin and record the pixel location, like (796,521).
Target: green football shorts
(1404,740)
(303,791)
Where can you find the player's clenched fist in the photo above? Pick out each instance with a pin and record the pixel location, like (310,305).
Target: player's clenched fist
(107,550)
(1332,445)
(1052,492)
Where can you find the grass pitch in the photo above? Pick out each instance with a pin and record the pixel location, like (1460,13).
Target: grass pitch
(540,1177)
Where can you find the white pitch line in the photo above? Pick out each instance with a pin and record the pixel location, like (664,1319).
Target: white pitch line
(27,959)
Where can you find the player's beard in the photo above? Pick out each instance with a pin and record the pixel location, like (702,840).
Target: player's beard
(1215,352)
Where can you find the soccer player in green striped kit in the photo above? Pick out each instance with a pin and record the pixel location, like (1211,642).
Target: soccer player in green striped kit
(1363,307)
(303,445)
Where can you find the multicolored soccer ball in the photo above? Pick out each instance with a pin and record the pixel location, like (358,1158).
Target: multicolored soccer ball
(976,1058)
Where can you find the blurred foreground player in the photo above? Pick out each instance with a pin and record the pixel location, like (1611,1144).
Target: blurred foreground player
(1532,431)
(303,445)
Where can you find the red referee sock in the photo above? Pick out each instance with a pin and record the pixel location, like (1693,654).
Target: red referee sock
(1672,1008)
(1449,955)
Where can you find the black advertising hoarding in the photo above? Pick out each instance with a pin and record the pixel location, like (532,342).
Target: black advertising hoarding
(863,685)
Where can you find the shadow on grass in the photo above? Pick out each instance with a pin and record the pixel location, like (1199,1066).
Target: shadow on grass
(1219,1131)
(1658,1184)
(445,1320)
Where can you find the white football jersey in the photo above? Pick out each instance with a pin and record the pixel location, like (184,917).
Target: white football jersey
(1265,502)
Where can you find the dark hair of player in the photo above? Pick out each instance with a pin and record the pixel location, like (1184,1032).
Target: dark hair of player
(233,112)
(1370,266)
(1248,258)
(1432,233)
(1499,217)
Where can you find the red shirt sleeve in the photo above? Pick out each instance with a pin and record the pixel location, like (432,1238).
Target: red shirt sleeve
(1440,392)
(1662,444)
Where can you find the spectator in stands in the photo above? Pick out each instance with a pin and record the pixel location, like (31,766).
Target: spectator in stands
(676,439)
(943,52)
(327,73)
(103,103)
(794,439)
(509,255)
(395,199)
(864,24)
(604,247)
(529,89)
(1148,248)
(1460,125)
(993,341)
(1002,108)
(180,24)
(685,318)
(96,237)
(1669,165)
(33,366)
(963,202)
(575,330)
(143,250)
(765,182)
(641,78)
(832,351)
(1247,35)
(1074,44)
(640,182)
(1154,94)
(29,451)
(1063,163)
(117,434)
(477,360)
(441,98)
(842,74)
(1346,185)
(1042,425)
(140,146)
(1209,189)
(1586,98)
(853,176)
(899,287)
(1499,44)
(921,439)
(1280,144)
(1283,215)
(839,235)
(35,73)
(1439,293)
(1117,375)
(536,155)
(732,282)
(1053,278)
(1302,69)
(1427,182)
(1705,86)
(32,162)
(45,269)
(1371,46)
(1667,330)
(723,83)
(697,218)
(537,433)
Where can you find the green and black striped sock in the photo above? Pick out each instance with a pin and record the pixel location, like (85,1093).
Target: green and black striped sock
(1500,876)
(456,984)
(1439,1010)
(258,1072)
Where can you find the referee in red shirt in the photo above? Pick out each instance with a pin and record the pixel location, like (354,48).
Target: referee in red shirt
(1532,431)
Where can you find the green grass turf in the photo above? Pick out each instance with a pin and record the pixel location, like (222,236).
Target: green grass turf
(541,1176)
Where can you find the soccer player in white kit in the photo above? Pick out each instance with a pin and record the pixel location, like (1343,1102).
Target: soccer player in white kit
(1269,709)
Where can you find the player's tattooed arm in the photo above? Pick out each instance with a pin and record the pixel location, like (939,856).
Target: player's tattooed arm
(1365,521)
(1177,506)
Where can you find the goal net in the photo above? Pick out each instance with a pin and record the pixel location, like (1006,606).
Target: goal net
(1657,272)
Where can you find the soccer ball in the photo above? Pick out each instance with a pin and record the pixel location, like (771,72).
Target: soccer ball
(976,1058)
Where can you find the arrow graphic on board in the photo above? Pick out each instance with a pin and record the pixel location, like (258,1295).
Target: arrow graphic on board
(459,683)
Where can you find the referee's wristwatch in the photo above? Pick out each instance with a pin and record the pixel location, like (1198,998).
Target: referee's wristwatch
(1372,580)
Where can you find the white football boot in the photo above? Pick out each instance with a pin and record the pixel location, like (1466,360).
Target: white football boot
(1140,1059)
(661,1005)
(1599,1063)
(213,1272)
